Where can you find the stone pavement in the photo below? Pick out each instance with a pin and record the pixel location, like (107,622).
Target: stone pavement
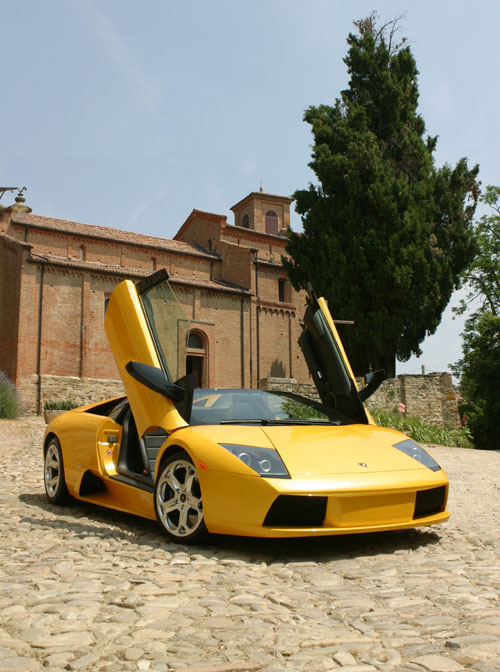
(82,588)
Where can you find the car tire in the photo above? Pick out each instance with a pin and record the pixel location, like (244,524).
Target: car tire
(53,473)
(178,503)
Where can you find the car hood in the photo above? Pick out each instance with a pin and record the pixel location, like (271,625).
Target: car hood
(308,451)
(311,451)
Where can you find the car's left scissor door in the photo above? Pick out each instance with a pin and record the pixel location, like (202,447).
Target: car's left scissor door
(146,324)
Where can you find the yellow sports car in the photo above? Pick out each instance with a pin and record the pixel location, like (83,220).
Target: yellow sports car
(243,462)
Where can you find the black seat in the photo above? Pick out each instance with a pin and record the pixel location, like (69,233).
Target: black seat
(133,457)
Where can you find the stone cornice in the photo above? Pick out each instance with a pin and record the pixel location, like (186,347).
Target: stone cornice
(252,234)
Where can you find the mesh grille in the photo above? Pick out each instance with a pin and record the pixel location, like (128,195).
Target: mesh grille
(296,511)
(429,502)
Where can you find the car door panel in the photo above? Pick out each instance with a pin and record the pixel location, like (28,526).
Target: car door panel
(131,340)
(328,363)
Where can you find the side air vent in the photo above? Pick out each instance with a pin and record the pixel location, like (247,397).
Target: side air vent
(91,484)
(429,502)
(296,511)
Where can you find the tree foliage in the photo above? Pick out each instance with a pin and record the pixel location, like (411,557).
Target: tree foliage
(479,368)
(480,379)
(386,234)
(483,274)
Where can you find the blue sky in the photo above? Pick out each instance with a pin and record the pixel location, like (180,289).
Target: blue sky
(130,114)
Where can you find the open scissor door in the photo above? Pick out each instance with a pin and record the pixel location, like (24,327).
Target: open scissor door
(328,363)
(147,331)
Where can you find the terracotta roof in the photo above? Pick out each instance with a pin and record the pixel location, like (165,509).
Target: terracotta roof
(115,235)
(207,215)
(264,194)
(201,214)
(217,285)
(129,272)
(15,241)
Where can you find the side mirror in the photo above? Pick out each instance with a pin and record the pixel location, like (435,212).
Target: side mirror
(155,379)
(374,380)
(187,384)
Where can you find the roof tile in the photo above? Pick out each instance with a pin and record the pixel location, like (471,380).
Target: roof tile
(128,272)
(116,235)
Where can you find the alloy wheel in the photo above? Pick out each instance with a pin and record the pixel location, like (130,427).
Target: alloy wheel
(178,499)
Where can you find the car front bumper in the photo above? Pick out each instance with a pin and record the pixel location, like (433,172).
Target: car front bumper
(309,506)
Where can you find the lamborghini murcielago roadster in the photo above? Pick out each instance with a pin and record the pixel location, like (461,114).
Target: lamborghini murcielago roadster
(242,462)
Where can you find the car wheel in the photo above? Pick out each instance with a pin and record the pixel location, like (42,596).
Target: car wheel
(178,504)
(53,473)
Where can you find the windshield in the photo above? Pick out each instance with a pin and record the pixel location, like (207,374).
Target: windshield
(214,407)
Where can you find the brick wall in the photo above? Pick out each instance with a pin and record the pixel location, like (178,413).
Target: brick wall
(10,288)
(52,308)
(237,267)
(202,228)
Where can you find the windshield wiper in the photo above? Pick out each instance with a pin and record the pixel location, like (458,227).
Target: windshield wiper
(287,421)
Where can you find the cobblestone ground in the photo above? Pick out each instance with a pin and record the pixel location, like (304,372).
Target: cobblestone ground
(83,588)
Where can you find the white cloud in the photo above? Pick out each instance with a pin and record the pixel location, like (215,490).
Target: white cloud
(147,89)
(138,214)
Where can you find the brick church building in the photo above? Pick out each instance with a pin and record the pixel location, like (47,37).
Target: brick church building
(56,275)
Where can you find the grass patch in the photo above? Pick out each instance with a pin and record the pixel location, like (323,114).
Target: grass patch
(63,405)
(423,432)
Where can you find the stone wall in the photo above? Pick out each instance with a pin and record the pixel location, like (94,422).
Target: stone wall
(289,385)
(431,397)
(80,391)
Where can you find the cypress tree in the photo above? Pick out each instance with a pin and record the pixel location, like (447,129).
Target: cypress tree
(386,235)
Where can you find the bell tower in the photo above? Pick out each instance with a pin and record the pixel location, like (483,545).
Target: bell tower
(264,213)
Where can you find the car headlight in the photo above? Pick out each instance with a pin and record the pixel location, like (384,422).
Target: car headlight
(265,461)
(409,447)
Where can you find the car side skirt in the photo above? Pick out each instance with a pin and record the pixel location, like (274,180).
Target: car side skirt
(126,496)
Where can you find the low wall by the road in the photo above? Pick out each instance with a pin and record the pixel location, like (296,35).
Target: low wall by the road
(431,396)
(80,391)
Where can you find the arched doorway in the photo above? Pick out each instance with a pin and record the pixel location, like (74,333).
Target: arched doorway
(196,356)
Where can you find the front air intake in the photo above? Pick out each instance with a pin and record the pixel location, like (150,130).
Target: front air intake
(296,511)
(429,502)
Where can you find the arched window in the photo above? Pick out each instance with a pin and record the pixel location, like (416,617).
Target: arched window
(271,222)
(246,221)
(196,357)
(153,263)
(195,341)
(83,253)
(107,296)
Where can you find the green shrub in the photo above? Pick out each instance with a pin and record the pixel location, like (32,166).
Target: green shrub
(10,406)
(64,405)
(422,431)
